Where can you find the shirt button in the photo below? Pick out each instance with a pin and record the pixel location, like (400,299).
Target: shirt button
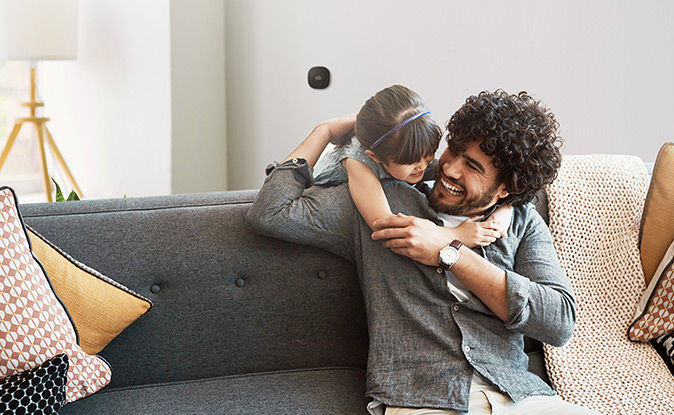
(469,360)
(456,308)
(467,348)
(440,270)
(295,161)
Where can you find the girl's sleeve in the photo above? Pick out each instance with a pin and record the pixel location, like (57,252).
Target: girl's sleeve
(356,151)
(330,172)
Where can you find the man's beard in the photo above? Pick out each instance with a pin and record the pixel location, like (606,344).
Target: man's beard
(468,207)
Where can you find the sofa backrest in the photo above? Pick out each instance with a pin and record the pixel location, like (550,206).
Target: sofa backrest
(228,301)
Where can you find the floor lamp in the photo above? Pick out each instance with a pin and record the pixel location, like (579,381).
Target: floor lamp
(37,30)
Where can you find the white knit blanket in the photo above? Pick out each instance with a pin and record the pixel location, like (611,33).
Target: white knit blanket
(595,209)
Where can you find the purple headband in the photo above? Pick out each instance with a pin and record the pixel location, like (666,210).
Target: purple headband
(401,125)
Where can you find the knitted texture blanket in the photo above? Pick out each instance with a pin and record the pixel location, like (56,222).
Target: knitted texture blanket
(595,207)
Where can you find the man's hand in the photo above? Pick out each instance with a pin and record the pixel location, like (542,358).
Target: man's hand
(418,239)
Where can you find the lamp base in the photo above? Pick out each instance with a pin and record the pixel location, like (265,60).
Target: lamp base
(42,133)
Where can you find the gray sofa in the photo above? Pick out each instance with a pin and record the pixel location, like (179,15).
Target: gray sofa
(241,324)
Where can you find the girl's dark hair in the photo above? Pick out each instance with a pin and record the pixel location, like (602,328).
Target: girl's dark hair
(383,112)
(521,134)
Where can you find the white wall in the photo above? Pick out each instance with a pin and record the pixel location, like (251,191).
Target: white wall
(199,129)
(142,110)
(604,67)
(111,108)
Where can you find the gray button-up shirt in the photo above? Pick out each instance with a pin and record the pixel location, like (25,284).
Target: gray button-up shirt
(424,343)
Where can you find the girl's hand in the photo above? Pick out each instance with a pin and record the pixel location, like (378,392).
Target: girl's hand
(341,129)
(335,130)
(473,233)
(500,219)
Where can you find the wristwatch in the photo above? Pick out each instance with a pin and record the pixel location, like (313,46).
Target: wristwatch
(449,254)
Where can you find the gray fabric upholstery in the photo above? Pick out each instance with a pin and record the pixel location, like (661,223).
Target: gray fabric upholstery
(308,392)
(230,303)
(537,360)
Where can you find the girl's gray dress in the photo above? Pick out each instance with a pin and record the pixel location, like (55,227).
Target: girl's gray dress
(330,172)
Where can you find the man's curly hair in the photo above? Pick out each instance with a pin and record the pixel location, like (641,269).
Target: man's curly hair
(521,134)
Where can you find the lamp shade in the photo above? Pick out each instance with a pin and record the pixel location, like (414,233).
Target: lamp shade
(35,30)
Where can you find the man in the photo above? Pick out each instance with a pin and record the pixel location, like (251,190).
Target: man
(446,323)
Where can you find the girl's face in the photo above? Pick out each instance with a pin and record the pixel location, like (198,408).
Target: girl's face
(411,173)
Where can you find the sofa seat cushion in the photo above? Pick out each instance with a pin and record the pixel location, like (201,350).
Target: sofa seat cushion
(311,391)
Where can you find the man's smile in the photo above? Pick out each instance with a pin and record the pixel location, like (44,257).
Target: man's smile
(451,188)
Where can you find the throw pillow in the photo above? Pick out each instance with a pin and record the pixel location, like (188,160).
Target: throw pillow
(654,316)
(41,390)
(664,345)
(657,231)
(34,324)
(99,306)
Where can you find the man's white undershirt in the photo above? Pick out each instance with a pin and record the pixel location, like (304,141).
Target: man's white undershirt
(455,286)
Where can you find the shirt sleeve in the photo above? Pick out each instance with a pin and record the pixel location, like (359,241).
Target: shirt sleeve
(288,208)
(356,151)
(540,301)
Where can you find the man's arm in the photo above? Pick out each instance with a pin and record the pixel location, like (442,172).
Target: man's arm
(421,240)
(540,299)
(321,217)
(534,299)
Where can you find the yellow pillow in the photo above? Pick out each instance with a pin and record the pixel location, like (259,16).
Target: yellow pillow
(657,222)
(100,307)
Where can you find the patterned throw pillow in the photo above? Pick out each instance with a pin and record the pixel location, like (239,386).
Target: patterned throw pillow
(654,316)
(99,306)
(34,324)
(664,345)
(38,391)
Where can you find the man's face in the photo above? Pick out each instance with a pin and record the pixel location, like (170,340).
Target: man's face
(466,183)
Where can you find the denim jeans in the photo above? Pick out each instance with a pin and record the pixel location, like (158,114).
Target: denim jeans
(495,403)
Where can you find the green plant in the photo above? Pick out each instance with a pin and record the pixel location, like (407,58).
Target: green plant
(59,194)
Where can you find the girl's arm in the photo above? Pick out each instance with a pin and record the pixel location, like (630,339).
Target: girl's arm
(366,191)
(335,131)
(473,233)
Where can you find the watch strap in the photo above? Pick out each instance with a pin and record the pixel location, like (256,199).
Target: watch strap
(456,244)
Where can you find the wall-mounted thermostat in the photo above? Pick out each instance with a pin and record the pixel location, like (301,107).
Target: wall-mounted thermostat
(319,77)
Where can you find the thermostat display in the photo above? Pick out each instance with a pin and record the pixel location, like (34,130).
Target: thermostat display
(319,77)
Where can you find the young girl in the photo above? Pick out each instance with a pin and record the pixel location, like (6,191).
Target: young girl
(394,138)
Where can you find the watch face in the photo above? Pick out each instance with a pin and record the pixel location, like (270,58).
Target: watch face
(449,255)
